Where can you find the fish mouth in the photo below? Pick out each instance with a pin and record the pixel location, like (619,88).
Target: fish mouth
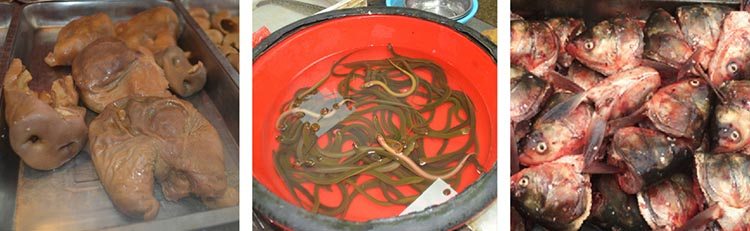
(724,146)
(527,159)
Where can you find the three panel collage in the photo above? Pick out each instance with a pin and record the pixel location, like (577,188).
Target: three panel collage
(375,115)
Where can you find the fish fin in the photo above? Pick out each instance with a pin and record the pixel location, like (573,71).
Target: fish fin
(597,129)
(668,74)
(598,167)
(690,64)
(693,65)
(564,108)
(716,90)
(560,82)
(706,216)
(629,120)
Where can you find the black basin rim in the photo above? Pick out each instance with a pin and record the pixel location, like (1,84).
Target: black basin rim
(444,216)
(292,28)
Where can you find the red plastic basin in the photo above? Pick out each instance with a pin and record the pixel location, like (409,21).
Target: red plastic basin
(303,57)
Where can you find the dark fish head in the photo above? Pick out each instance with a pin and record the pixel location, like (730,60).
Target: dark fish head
(661,22)
(613,208)
(664,41)
(610,46)
(554,138)
(565,29)
(590,46)
(701,24)
(528,187)
(670,49)
(671,203)
(528,92)
(722,177)
(681,109)
(732,128)
(533,45)
(554,194)
(732,58)
(536,149)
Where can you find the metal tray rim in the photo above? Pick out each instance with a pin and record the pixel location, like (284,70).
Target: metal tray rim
(234,74)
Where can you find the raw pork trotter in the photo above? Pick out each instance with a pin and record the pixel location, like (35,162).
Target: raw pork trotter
(46,128)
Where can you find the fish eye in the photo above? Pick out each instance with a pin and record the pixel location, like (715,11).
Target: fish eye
(695,83)
(588,45)
(523,182)
(732,67)
(735,136)
(541,147)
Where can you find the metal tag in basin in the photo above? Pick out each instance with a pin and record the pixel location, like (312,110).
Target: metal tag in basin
(437,193)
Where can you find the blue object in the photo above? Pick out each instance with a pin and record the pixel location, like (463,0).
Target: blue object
(472,11)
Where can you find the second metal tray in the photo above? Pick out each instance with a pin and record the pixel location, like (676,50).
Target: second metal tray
(233,6)
(71,197)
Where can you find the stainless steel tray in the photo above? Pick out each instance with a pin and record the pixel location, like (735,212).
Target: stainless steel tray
(233,6)
(71,197)
(594,11)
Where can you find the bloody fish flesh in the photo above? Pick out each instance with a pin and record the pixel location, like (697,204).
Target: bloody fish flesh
(533,45)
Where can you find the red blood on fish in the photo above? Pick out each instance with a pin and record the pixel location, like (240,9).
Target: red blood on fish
(533,45)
